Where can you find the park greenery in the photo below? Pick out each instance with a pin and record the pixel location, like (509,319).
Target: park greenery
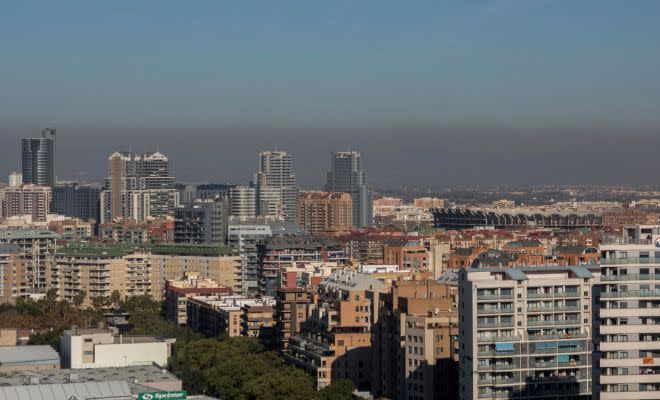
(228,368)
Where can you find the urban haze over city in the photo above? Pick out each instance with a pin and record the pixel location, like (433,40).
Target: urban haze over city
(330,201)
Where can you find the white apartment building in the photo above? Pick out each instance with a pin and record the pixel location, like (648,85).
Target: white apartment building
(525,333)
(629,314)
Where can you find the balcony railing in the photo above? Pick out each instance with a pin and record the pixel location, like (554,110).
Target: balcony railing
(503,324)
(630,260)
(495,296)
(498,339)
(495,311)
(631,293)
(628,277)
(496,381)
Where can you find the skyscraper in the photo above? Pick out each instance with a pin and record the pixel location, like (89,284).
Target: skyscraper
(276,171)
(138,187)
(347,175)
(38,156)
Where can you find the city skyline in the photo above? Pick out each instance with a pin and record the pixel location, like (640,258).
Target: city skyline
(425,84)
(557,159)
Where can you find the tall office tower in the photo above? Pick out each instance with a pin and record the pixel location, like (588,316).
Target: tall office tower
(138,187)
(347,175)
(242,202)
(629,331)
(204,221)
(525,333)
(320,212)
(276,171)
(29,200)
(15,179)
(39,159)
(76,200)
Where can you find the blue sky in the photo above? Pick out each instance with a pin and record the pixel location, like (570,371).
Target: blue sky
(148,65)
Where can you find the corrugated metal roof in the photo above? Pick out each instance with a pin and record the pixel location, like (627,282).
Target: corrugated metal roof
(28,355)
(118,390)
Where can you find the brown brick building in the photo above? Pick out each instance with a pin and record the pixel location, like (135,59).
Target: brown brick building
(323,212)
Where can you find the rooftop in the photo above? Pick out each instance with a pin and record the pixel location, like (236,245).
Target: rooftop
(195,250)
(135,378)
(346,279)
(26,233)
(65,391)
(521,274)
(83,249)
(21,355)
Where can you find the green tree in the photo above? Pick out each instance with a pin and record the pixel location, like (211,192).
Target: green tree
(51,338)
(341,389)
(115,299)
(79,298)
(240,368)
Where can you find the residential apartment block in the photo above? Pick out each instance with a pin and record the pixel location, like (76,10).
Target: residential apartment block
(325,212)
(26,200)
(415,341)
(334,341)
(629,317)
(13,274)
(526,333)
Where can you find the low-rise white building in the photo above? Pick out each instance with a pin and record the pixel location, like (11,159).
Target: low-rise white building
(99,348)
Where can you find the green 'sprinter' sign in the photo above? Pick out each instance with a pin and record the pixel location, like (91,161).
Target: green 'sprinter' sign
(182,395)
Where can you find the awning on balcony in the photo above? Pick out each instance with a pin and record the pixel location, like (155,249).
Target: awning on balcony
(504,347)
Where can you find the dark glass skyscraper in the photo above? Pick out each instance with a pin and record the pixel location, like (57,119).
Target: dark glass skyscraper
(347,175)
(38,156)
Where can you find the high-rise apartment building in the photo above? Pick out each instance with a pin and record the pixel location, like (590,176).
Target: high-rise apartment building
(320,212)
(244,235)
(138,187)
(202,222)
(77,200)
(276,171)
(629,322)
(29,200)
(15,179)
(242,202)
(38,158)
(334,341)
(347,175)
(278,254)
(38,246)
(525,333)
(13,274)
(99,271)
(415,342)
(269,203)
